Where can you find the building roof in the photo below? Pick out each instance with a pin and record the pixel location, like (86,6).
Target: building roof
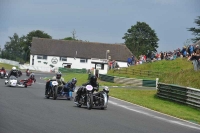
(79,49)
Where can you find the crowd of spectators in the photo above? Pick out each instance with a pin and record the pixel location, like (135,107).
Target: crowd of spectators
(192,52)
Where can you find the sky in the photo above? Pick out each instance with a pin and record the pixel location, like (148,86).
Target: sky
(104,21)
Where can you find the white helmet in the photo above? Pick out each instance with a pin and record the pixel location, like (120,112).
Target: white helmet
(13,68)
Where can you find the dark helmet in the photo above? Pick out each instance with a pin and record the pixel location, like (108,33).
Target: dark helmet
(58,75)
(74,80)
(93,79)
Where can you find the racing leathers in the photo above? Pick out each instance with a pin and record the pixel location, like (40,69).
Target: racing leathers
(13,73)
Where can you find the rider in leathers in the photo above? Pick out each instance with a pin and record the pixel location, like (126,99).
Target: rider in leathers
(13,72)
(82,90)
(59,79)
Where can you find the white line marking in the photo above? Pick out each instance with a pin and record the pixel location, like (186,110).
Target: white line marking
(157,117)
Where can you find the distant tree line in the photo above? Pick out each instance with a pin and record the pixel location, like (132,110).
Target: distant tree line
(140,39)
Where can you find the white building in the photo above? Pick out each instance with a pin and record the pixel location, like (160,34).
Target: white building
(48,53)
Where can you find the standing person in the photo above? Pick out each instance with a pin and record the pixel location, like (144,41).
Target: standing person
(129,61)
(133,60)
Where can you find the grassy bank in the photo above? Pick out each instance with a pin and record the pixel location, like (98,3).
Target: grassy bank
(6,66)
(179,72)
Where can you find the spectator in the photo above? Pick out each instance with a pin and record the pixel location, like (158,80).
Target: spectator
(195,60)
(129,61)
(133,60)
(196,48)
(184,52)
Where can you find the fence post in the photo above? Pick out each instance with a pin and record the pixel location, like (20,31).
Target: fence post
(157,83)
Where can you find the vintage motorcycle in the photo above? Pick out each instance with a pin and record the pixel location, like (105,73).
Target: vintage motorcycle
(58,92)
(90,99)
(12,81)
(28,73)
(3,74)
(52,90)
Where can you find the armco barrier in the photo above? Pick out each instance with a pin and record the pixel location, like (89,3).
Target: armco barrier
(128,81)
(14,63)
(149,83)
(106,78)
(185,95)
(71,70)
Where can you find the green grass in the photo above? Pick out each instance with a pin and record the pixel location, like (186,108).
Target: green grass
(148,98)
(179,72)
(6,66)
(83,78)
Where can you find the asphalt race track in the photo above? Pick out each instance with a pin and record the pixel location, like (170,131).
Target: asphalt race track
(26,110)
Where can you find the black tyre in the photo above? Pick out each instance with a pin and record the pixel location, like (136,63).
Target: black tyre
(55,90)
(75,100)
(89,101)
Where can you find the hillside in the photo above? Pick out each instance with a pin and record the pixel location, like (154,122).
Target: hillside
(179,72)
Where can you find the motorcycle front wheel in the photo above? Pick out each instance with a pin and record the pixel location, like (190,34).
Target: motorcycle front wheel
(89,101)
(55,89)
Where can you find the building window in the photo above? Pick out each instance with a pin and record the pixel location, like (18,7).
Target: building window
(83,60)
(44,57)
(39,61)
(63,58)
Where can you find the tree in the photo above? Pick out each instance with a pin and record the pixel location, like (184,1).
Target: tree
(68,38)
(28,42)
(196,31)
(13,49)
(140,38)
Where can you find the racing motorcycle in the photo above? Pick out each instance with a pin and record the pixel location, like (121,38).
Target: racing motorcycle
(85,99)
(13,82)
(28,73)
(58,92)
(96,100)
(3,74)
(52,90)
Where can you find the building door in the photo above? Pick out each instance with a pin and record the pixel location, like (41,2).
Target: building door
(67,66)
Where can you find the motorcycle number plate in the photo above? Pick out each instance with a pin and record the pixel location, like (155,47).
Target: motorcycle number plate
(54,83)
(89,87)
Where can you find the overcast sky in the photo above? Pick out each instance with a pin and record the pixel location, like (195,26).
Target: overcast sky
(100,20)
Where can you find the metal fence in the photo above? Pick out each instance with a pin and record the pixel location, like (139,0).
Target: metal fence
(185,95)
(142,73)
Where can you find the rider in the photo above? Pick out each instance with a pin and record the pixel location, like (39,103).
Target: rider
(27,71)
(70,86)
(93,82)
(32,77)
(3,70)
(13,72)
(58,78)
